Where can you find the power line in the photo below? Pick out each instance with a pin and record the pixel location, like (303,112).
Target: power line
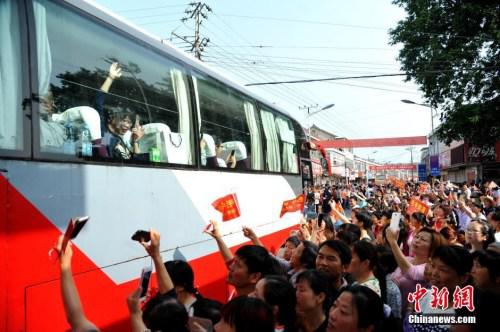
(326,79)
(343,25)
(238,63)
(306,21)
(150,8)
(155,15)
(236,32)
(309,46)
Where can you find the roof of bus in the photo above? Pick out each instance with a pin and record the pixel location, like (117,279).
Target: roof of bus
(104,14)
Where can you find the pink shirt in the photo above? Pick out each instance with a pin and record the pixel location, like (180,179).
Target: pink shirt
(408,281)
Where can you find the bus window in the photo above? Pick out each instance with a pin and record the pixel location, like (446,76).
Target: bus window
(273,158)
(11,126)
(229,127)
(105,96)
(287,136)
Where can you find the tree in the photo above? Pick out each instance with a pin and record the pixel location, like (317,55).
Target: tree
(451,48)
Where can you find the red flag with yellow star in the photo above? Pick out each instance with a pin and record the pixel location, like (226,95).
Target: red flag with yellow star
(296,204)
(228,206)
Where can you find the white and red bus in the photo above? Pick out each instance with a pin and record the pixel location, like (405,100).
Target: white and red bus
(54,58)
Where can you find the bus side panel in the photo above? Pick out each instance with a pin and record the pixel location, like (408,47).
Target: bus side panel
(31,278)
(3,255)
(28,237)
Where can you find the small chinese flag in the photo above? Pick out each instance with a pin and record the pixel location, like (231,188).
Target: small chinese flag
(228,206)
(296,204)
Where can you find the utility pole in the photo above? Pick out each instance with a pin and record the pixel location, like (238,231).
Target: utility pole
(197,11)
(411,148)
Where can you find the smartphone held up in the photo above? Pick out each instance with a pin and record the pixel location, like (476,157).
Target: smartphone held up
(144,281)
(395,219)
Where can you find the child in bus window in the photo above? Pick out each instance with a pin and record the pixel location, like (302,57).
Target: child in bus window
(120,126)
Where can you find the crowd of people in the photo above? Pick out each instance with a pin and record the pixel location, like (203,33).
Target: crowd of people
(346,268)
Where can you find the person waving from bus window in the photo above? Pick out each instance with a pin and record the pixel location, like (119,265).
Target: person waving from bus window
(120,126)
(71,300)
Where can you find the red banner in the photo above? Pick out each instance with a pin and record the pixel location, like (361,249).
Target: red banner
(398,183)
(228,206)
(417,206)
(372,142)
(296,204)
(391,167)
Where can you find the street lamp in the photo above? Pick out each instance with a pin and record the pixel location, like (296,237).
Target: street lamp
(373,152)
(436,144)
(309,114)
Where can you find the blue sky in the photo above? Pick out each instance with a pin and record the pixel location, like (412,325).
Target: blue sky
(266,40)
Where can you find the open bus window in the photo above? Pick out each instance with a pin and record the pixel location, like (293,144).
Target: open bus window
(229,127)
(104,96)
(11,126)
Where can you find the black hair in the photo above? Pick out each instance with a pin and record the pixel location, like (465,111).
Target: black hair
(256,258)
(369,306)
(308,257)
(387,214)
(365,219)
(349,233)
(490,260)
(328,223)
(181,274)
(386,259)
(367,251)
(293,240)
(119,111)
(340,248)
(279,292)
(496,215)
(318,281)
(378,214)
(248,314)
(420,218)
(167,315)
(456,257)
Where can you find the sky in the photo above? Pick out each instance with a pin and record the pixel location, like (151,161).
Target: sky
(269,40)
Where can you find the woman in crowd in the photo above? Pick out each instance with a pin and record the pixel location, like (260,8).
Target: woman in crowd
(312,294)
(417,222)
(363,263)
(440,219)
(246,314)
(278,293)
(387,265)
(410,270)
(358,309)
(450,235)
(477,235)
(486,277)
(303,258)
(364,221)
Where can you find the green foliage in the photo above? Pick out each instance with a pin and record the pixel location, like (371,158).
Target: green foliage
(451,48)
